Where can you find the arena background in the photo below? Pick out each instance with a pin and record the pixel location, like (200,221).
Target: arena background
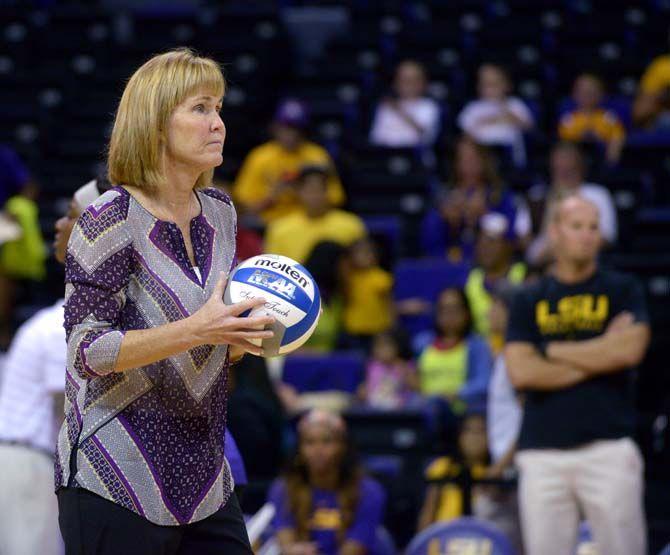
(63,65)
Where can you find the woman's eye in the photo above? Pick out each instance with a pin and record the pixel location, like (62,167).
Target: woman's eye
(199,108)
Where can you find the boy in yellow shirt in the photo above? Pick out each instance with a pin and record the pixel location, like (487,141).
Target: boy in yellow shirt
(264,183)
(589,121)
(296,234)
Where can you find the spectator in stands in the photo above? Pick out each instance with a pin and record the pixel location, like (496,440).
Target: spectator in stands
(475,188)
(31,411)
(497,117)
(573,339)
(589,121)
(368,306)
(325,505)
(568,170)
(456,364)
(22,249)
(448,501)
(327,264)
(495,265)
(390,376)
(651,109)
(296,234)
(264,185)
(408,117)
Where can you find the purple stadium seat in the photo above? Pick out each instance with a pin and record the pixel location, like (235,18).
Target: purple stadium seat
(342,371)
(666,550)
(464,535)
(384,544)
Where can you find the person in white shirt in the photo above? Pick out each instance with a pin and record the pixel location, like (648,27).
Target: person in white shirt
(567,177)
(31,412)
(497,118)
(409,118)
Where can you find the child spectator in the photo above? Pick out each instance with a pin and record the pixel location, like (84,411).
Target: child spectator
(495,264)
(474,189)
(497,118)
(456,364)
(444,502)
(296,234)
(264,183)
(589,121)
(408,118)
(368,307)
(326,264)
(325,505)
(390,374)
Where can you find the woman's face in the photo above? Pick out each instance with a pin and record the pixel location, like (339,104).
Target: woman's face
(472,440)
(451,315)
(196,133)
(469,164)
(321,449)
(410,81)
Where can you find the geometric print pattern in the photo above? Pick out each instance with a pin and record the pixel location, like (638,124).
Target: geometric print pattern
(127,270)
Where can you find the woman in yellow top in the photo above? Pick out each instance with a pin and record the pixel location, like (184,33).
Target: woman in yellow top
(589,121)
(264,183)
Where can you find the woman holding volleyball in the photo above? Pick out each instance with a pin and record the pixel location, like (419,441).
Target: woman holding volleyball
(139,463)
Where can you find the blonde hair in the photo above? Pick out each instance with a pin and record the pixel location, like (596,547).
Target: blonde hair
(136,147)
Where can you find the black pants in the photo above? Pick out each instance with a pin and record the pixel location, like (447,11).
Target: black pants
(91,525)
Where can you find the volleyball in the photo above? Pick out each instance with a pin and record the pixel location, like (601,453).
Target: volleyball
(292,298)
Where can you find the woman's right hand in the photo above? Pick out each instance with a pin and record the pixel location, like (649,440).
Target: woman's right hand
(301,548)
(217,323)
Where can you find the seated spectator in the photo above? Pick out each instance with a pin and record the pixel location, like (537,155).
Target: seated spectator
(23,254)
(497,117)
(444,502)
(327,264)
(390,376)
(651,109)
(408,117)
(568,169)
(456,364)
(264,183)
(589,121)
(495,264)
(296,234)
(368,306)
(325,505)
(475,188)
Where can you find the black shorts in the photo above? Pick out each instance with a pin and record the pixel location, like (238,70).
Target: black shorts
(91,525)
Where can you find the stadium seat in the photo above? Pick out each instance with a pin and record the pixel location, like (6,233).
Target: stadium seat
(384,544)
(340,371)
(666,550)
(464,535)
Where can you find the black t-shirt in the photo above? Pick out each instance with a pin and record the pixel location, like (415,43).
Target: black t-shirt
(600,407)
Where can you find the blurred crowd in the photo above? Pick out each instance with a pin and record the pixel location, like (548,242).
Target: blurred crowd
(291,201)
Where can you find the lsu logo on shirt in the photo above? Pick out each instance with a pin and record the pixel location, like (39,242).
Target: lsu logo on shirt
(577,313)
(326,519)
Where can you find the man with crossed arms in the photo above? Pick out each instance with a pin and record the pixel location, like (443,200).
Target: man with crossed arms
(573,339)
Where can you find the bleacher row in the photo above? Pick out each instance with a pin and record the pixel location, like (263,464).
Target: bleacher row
(62,70)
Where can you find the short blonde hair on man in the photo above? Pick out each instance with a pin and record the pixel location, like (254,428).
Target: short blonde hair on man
(135,155)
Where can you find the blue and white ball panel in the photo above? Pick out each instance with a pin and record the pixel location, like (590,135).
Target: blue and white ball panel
(291,294)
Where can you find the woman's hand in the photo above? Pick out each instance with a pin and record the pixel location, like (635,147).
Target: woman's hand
(301,548)
(217,323)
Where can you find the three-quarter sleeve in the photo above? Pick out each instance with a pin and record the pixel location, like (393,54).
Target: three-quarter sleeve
(97,269)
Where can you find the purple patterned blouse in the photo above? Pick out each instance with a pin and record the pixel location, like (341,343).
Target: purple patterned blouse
(150,439)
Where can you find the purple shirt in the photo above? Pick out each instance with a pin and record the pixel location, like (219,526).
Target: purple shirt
(325,515)
(150,439)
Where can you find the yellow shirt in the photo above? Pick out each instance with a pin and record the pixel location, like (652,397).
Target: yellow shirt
(600,124)
(270,163)
(450,504)
(368,302)
(443,371)
(295,235)
(657,76)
